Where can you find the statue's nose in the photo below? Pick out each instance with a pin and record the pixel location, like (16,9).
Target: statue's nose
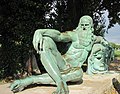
(84,28)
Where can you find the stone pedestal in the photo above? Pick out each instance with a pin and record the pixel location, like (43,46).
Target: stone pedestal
(92,84)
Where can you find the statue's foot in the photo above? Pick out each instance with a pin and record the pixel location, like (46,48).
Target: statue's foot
(61,89)
(61,92)
(17,86)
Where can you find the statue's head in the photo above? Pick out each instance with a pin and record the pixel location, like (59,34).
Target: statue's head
(86,22)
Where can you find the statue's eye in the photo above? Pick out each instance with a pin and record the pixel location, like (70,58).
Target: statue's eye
(86,24)
(98,58)
(82,24)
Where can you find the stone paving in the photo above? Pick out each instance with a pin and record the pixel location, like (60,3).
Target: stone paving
(92,84)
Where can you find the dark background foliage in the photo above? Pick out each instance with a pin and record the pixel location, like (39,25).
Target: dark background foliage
(20,18)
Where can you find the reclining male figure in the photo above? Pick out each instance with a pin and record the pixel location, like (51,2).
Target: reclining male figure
(61,69)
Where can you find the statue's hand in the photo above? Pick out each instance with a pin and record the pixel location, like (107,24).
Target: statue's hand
(36,39)
(105,43)
(40,33)
(17,86)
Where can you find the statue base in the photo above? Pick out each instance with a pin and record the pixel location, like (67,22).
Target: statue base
(92,84)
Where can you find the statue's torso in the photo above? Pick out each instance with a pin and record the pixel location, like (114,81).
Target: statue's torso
(83,40)
(81,43)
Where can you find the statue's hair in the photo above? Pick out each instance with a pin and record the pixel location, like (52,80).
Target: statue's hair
(86,17)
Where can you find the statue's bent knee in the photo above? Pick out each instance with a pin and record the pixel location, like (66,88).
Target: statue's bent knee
(47,44)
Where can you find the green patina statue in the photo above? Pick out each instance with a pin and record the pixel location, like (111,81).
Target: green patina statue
(67,68)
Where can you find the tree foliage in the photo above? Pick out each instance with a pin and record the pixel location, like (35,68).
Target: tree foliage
(20,18)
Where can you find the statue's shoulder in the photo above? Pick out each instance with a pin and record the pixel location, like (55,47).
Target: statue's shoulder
(48,30)
(72,34)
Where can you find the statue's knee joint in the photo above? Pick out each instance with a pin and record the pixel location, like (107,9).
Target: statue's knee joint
(48,44)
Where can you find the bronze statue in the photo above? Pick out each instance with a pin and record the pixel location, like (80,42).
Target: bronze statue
(65,68)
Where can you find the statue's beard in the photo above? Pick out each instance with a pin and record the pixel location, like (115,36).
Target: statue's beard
(84,33)
(86,29)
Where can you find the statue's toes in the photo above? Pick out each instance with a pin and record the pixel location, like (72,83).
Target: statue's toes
(61,91)
(16,86)
(18,89)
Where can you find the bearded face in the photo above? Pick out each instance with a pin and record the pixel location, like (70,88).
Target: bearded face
(85,24)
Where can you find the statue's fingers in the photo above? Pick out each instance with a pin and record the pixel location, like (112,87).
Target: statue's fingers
(35,44)
(18,88)
(34,40)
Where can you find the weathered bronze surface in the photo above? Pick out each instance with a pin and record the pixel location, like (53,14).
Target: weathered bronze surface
(61,69)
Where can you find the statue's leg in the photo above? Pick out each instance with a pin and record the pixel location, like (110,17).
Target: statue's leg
(69,75)
(50,63)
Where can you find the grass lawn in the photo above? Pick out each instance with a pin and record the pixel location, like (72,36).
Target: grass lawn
(117,53)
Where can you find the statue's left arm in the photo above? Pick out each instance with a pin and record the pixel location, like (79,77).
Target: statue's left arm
(100,39)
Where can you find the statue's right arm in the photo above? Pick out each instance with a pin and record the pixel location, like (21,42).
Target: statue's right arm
(52,33)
